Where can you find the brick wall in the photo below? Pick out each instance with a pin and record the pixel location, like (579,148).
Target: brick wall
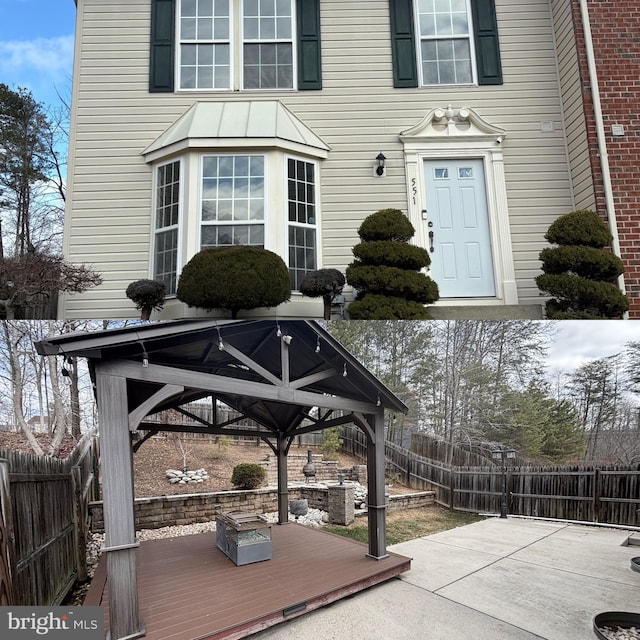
(165,511)
(615,28)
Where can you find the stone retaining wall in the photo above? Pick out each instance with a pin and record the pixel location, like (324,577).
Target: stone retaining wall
(165,511)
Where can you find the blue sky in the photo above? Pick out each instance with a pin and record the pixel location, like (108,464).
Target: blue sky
(36,46)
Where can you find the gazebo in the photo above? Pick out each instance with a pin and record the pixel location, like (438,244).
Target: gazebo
(288,377)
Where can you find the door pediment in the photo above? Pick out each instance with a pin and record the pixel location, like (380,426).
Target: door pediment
(461,125)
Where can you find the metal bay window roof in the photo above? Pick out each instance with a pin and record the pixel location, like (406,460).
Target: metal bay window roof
(255,124)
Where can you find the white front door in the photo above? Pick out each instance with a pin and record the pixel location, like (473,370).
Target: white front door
(458,228)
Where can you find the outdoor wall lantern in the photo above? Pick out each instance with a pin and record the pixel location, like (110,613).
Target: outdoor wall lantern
(380,165)
(503,454)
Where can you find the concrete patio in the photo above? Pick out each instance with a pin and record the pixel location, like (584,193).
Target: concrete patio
(499,579)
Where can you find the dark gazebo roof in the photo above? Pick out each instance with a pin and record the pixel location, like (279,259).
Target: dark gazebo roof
(274,372)
(242,351)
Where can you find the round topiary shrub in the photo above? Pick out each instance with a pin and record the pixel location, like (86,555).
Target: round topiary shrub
(391,281)
(392,254)
(579,298)
(248,475)
(582,227)
(327,283)
(586,262)
(147,295)
(386,224)
(375,307)
(234,278)
(578,273)
(387,271)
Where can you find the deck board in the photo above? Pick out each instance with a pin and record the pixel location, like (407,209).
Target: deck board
(189,590)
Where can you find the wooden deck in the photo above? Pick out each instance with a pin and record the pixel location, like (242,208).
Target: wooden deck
(189,590)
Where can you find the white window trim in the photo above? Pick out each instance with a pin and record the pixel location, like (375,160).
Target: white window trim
(178,52)
(288,223)
(231,154)
(154,228)
(472,49)
(462,133)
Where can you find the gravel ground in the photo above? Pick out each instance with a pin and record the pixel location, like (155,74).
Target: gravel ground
(618,633)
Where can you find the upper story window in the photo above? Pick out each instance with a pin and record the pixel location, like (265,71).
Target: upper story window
(217,37)
(205,44)
(267,44)
(224,45)
(444,42)
(444,27)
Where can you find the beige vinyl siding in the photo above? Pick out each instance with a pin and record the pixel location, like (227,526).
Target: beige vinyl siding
(572,104)
(358,114)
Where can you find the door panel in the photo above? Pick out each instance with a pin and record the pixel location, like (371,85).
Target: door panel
(462,262)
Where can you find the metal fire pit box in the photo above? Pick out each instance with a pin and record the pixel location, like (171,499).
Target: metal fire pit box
(243,537)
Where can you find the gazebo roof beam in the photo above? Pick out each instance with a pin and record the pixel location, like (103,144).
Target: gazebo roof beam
(193,380)
(216,431)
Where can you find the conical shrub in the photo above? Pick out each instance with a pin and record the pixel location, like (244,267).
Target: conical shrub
(386,272)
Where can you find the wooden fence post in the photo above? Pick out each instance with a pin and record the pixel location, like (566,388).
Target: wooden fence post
(596,495)
(80,518)
(452,486)
(7,551)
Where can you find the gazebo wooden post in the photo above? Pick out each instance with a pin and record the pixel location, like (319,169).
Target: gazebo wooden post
(283,481)
(375,487)
(119,522)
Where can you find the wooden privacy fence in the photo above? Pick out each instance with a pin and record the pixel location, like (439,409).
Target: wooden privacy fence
(44,523)
(606,494)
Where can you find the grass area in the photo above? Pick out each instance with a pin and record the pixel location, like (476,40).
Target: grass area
(408,524)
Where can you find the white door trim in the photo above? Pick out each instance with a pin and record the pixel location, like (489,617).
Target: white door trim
(461,133)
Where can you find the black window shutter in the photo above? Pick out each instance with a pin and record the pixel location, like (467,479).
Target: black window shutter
(403,47)
(309,62)
(162,46)
(485,29)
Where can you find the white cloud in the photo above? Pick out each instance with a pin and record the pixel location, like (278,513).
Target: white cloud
(43,66)
(579,341)
(50,56)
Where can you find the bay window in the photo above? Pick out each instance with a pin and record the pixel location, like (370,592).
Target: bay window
(232,201)
(167,215)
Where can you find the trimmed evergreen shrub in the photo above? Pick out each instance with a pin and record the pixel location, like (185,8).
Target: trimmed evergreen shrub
(579,274)
(581,297)
(386,272)
(234,278)
(376,307)
(248,475)
(391,281)
(586,262)
(327,283)
(386,224)
(392,254)
(147,295)
(582,227)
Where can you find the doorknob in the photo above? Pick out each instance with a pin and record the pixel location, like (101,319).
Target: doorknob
(431,249)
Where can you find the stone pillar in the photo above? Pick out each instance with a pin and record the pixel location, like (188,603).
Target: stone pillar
(341,508)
